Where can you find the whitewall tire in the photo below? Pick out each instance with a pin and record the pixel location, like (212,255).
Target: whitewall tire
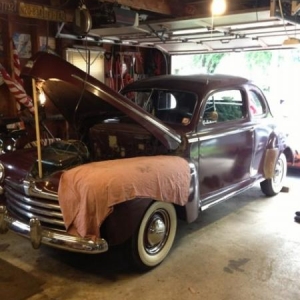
(272,186)
(155,236)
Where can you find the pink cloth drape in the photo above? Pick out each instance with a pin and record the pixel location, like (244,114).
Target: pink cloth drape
(88,193)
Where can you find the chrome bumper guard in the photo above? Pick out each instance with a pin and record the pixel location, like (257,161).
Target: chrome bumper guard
(37,235)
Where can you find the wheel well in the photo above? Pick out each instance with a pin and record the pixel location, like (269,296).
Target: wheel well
(289,155)
(120,225)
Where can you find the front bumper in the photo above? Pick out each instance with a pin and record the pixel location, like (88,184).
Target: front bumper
(39,235)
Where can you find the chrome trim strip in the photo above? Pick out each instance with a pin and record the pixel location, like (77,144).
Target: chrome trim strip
(30,189)
(215,136)
(15,185)
(12,193)
(52,238)
(231,195)
(197,138)
(31,209)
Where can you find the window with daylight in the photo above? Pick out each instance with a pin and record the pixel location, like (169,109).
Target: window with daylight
(89,61)
(224,106)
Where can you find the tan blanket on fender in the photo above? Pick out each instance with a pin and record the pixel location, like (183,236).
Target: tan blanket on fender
(88,193)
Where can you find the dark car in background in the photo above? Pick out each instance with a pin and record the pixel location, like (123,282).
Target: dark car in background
(164,148)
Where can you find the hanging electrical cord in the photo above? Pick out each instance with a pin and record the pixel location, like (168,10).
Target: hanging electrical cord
(282,17)
(80,97)
(256,12)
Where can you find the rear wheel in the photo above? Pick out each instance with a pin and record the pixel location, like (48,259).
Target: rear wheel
(274,185)
(155,236)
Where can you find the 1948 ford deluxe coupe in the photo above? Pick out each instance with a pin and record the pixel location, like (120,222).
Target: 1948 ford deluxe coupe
(163,148)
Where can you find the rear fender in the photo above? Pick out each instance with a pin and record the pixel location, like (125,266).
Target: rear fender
(276,146)
(270,160)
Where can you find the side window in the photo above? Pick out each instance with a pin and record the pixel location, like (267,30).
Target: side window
(148,99)
(166,100)
(256,104)
(175,107)
(223,106)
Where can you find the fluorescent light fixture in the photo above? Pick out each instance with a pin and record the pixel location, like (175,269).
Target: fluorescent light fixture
(262,24)
(190,31)
(218,7)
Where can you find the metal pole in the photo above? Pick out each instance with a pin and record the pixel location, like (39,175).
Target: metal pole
(37,128)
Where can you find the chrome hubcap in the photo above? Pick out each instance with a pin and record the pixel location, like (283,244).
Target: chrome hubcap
(278,173)
(156,232)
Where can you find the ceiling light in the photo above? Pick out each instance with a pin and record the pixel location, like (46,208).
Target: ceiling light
(218,7)
(190,31)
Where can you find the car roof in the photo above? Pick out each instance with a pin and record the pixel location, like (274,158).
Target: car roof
(189,82)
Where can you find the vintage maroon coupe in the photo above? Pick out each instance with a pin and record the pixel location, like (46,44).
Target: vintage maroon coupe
(167,148)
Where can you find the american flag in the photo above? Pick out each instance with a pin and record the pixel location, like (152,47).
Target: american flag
(16,84)
(17,65)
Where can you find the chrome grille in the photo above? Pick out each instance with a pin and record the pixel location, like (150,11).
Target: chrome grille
(26,207)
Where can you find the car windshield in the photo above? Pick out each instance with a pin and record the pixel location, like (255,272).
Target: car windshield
(175,107)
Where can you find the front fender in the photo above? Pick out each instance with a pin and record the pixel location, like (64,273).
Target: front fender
(120,225)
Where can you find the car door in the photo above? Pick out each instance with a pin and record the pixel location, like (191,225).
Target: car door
(225,144)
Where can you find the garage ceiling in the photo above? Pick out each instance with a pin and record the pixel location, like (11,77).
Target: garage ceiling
(187,26)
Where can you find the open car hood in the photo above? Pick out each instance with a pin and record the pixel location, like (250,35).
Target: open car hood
(80,98)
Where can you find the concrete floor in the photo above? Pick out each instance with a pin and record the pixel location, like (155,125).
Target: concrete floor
(245,248)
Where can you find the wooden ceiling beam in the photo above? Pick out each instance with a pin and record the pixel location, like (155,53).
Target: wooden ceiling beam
(156,6)
(173,8)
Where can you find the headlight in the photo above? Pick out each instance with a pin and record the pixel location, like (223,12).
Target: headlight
(1,172)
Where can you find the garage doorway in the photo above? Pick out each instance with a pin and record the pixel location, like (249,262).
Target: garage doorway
(276,72)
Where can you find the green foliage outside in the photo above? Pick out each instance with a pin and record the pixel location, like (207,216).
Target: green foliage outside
(228,112)
(208,62)
(254,59)
(276,72)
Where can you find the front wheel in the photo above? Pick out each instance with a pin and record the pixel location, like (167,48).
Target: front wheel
(271,187)
(154,237)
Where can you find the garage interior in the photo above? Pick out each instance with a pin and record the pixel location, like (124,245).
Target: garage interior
(244,248)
